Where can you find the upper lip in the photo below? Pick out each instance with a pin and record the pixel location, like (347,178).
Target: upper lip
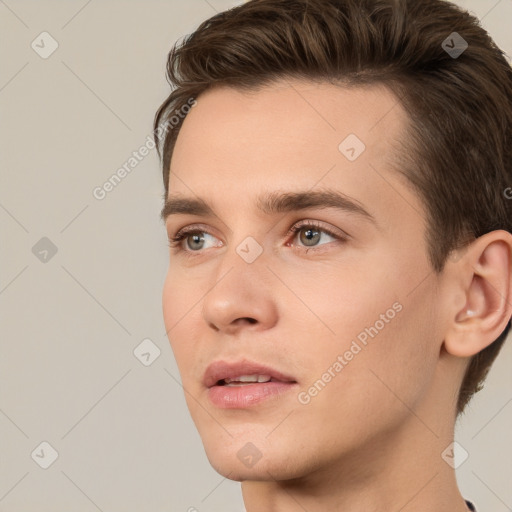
(219,370)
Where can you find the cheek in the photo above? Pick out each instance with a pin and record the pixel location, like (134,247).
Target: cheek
(182,296)
(336,301)
(377,345)
(372,381)
(401,359)
(180,302)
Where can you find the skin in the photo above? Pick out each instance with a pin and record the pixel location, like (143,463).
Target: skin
(372,438)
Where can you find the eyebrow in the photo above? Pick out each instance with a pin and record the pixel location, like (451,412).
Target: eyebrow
(271,203)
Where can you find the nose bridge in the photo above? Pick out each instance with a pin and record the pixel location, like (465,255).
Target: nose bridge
(240,288)
(245,251)
(241,267)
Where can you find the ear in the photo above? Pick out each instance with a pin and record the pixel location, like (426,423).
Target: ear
(484,277)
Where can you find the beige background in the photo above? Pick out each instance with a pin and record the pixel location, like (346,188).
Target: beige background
(70,324)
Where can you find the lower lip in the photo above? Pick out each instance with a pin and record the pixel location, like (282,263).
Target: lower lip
(247,395)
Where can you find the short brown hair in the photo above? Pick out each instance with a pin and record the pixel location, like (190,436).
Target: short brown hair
(458,156)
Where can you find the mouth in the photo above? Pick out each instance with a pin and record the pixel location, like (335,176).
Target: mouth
(244,384)
(244,380)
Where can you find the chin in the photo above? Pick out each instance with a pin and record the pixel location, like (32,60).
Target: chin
(234,470)
(241,460)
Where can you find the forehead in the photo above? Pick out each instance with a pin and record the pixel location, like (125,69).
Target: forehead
(289,112)
(291,134)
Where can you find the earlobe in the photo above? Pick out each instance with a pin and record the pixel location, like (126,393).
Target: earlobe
(486,279)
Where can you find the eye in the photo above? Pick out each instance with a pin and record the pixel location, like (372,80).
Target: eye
(310,233)
(194,239)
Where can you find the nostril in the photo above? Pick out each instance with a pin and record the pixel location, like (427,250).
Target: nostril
(213,326)
(248,319)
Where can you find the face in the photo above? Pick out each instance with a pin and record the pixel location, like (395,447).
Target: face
(331,297)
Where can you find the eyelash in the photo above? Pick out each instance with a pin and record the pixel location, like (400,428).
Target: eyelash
(182,234)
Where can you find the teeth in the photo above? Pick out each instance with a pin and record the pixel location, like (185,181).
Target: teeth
(249,378)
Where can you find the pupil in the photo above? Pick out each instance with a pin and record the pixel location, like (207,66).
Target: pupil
(197,238)
(310,234)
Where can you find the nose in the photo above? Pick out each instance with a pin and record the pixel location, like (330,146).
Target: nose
(241,296)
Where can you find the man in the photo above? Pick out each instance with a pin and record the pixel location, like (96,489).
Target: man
(340,275)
